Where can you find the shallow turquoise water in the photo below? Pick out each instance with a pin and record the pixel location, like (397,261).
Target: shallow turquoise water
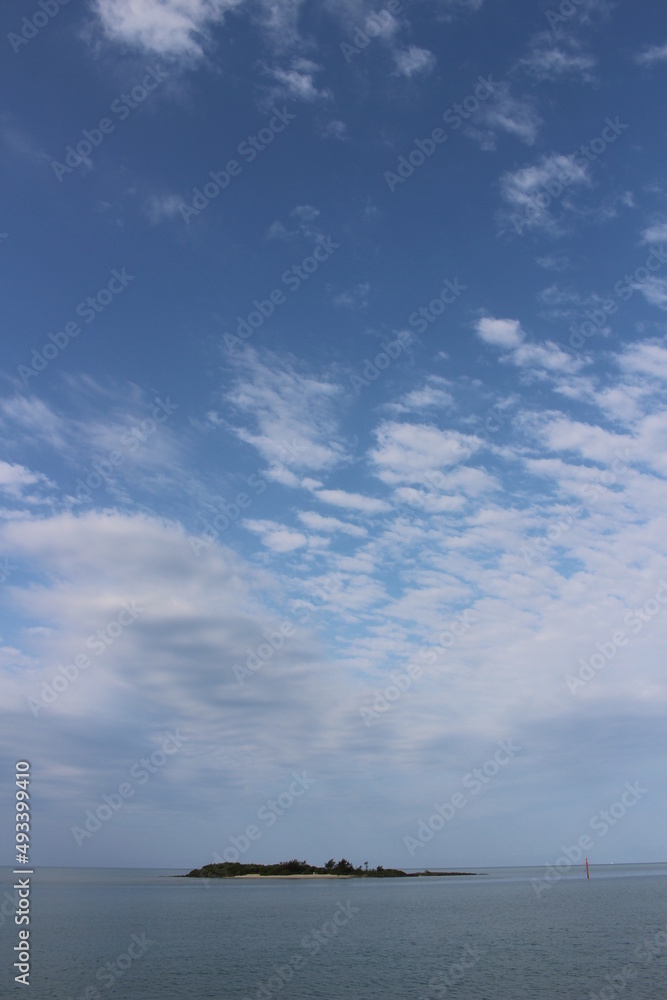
(142,935)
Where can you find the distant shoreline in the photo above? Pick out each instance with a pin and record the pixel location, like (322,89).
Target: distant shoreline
(301,869)
(403,875)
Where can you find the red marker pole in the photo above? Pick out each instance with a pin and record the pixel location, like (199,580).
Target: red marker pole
(587,874)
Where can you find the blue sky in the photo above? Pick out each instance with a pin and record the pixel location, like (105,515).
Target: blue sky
(334,434)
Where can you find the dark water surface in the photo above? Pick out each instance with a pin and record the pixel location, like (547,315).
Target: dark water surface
(138,934)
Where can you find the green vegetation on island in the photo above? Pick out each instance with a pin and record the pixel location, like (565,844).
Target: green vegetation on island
(236,869)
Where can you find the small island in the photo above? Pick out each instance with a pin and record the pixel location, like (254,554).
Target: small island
(301,869)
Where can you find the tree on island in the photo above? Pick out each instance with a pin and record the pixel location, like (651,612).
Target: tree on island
(295,867)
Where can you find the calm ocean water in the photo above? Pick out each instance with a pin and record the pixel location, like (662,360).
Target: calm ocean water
(142,935)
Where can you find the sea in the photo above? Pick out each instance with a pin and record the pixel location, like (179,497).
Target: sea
(501,934)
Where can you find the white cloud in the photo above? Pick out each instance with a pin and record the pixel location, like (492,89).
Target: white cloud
(587,440)
(485,138)
(654,290)
(277,231)
(561,303)
(624,402)
(648,358)
(306,227)
(163,207)
(305,213)
(657,233)
(507,334)
(531,191)
(519,187)
(652,54)
(277,537)
(196,617)
(279,19)
(343,498)
(414,60)
(295,414)
(318,522)
(407,453)
(16,480)
(555,295)
(434,395)
(335,130)
(500,332)
(297,83)
(430,502)
(355,297)
(552,262)
(98,422)
(549,61)
(505,113)
(548,356)
(170,28)
(373,19)
(30,415)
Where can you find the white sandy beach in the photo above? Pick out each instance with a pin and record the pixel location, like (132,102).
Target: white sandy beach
(257,875)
